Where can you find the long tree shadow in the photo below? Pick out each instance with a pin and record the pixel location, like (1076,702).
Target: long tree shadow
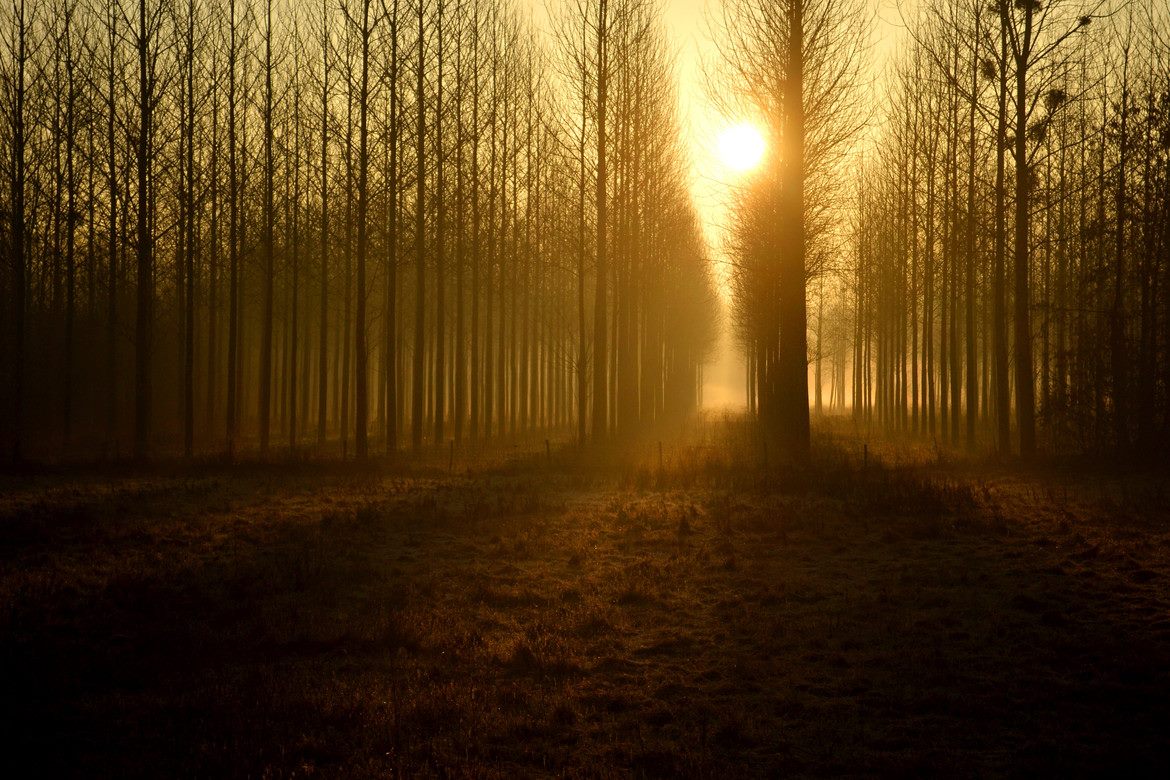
(512,621)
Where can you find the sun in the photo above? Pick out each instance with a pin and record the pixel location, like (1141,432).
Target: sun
(741,147)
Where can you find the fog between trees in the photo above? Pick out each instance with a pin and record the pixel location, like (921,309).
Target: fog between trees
(232,225)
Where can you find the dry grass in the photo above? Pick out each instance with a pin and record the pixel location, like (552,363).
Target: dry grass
(703,615)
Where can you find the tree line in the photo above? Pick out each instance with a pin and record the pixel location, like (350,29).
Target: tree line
(355,224)
(1012,235)
(988,242)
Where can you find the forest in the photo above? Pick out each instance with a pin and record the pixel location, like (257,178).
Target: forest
(584,388)
(241,226)
(989,270)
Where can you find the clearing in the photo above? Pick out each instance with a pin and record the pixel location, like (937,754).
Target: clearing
(532,614)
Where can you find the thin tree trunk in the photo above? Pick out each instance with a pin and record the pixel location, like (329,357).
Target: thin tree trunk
(265,396)
(144,318)
(417,379)
(600,366)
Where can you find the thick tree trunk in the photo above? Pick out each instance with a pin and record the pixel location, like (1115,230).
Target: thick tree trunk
(792,416)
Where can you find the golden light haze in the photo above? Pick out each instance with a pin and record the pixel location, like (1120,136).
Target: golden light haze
(694,26)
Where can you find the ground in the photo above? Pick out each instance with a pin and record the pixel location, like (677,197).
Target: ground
(534,611)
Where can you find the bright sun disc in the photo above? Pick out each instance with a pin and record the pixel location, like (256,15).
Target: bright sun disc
(741,147)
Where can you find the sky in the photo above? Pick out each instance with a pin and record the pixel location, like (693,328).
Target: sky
(689,23)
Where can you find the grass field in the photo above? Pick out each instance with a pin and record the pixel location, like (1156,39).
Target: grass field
(531,613)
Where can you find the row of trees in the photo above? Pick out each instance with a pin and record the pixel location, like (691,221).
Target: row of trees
(237,223)
(1012,230)
(997,273)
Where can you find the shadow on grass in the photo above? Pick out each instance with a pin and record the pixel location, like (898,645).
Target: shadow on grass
(588,612)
